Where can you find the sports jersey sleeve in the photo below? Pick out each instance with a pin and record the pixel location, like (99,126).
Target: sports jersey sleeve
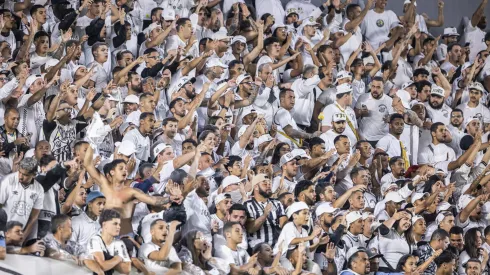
(95,245)
(146,250)
(383,144)
(121,250)
(283,118)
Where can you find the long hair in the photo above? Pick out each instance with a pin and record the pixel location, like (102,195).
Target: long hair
(403,260)
(275,155)
(470,242)
(188,242)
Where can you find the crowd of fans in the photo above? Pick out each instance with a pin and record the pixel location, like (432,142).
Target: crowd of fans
(213,137)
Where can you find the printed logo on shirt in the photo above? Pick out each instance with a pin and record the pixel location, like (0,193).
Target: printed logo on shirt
(33,196)
(445,113)
(15,192)
(380,23)
(382,108)
(21,208)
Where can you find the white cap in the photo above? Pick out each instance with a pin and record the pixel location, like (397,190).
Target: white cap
(168,14)
(231,180)
(388,186)
(181,82)
(291,11)
(466,65)
(342,75)
(368,60)
(394,197)
(215,62)
(353,250)
(405,97)
(440,217)
(300,153)
(344,89)
(126,148)
(277,26)
(436,90)
(366,215)
(451,31)
(220,197)
(264,138)
(295,207)
(310,21)
(352,217)
(248,111)
(408,2)
(418,196)
(241,77)
(132,99)
(151,27)
(325,207)
(31,79)
(476,86)
(416,102)
(407,84)
(443,206)
(464,200)
(339,117)
(470,119)
(51,63)
(159,148)
(416,218)
(220,35)
(242,131)
(286,158)
(75,69)
(238,38)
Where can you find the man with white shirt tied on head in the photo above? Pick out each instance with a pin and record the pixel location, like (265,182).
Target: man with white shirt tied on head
(449,36)
(474,108)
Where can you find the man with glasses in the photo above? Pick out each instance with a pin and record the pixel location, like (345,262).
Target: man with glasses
(474,108)
(8,28)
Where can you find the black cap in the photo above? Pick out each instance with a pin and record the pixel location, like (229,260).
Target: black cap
(466,142)
(55,2)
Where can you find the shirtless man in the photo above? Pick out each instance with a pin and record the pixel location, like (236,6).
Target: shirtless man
(120,196)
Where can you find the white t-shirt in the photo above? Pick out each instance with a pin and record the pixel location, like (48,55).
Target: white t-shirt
(237,257)
(157,266)
(84,228)
(18,202)
(331,109)
(141,143)
(283,118)
(146,223)
(350,45)
(476,37)
(198,216)
(134,117)
(434,154)
(116,248)
(373,127)
(376,26)
(479,111)
(391,145)
(440,115)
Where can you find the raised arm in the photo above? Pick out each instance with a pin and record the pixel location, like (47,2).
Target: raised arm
(193,64)
(480,11)
(356,22)
(161,37)
(440,17)
(257,49)
(88,164)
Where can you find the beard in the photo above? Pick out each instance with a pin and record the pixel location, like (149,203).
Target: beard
(138,88)
(264,193)
(191,94)
(436,107)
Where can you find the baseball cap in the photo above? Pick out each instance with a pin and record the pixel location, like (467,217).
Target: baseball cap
(366,215)
(419,196)
(159,148)
(310,21)
(464,200)
(408,2)
(339,117)
(231,180)
(466,65)
(368,60)
(248,111)
(277,26)
(407,84)
(124,126)
(168,14)
(295,207)
(215,62)
(31,79)
(440,217)
(238,38)
(264,138)
(286,158)
(220,35)
(476,86)
(436,90)
(93,195)
(342,75)
(470,119)
(415,218)
(151,27)
(325,207)
(394,197)
(373,253)
(132,99)
(182,81)
(344,89)
(300,153)
(352,217)
(259,178)
(443,206)
(291,11)
(387,186)
(126,148)
(220,197)
(241,77)
(354,250)
(451,31)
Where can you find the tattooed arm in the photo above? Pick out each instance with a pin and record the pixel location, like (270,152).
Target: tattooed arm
(155,201)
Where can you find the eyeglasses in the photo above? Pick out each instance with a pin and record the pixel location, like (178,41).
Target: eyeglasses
(4,79)
(200,238)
